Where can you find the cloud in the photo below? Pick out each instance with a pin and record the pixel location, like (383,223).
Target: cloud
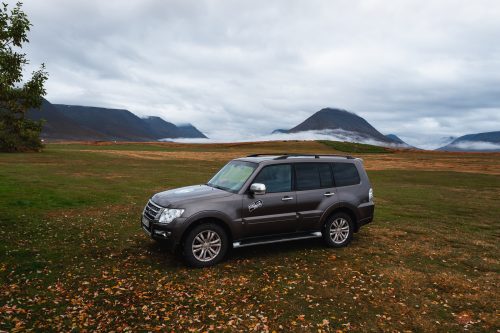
(421,70)
(476,145)
(333,135)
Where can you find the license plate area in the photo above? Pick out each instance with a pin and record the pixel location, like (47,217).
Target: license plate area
(145,222)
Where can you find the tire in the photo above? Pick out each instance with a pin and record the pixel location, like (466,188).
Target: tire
(205,245)
(338,230)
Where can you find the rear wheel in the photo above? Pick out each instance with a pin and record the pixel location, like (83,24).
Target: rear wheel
(205,245)
(338,231)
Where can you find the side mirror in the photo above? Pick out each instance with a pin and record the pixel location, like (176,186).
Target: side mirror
(258,188)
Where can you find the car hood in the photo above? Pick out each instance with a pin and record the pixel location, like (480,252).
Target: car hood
(188,193)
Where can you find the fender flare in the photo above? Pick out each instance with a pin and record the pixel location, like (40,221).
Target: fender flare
(208,214)
(341,206)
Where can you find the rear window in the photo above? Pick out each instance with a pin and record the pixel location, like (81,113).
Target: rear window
(310,176)
(345,174)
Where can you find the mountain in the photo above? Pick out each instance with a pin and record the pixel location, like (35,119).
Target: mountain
(114,124)
(399,142)
(486,142)
(189,131)
(71,122)
(57,125)
(279,131)
(163,129)
(395,138)
(445,140)
(343,125)
(160,128)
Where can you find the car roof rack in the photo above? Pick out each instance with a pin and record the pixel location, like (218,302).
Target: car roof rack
(266,154)
(286,155)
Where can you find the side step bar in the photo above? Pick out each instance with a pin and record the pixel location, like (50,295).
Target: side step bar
(316,234)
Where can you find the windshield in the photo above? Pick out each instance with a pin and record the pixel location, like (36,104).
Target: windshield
(232,176)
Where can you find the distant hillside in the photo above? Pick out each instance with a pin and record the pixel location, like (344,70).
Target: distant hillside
(487,142)
(114,124)
(395,138)
(160,128)
(59,126)
(189,131)
(445,140)
(71,122)
(343,125)
(398,140)
(279,130)
(163,129)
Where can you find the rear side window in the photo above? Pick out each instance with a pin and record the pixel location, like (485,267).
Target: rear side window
(325,175)
(345,174)
(310,176)
(277,178)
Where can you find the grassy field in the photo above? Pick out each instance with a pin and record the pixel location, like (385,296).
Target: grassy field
(73,257)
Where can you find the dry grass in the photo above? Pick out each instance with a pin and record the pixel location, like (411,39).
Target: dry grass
(458,162)
(486,163)
(169,155)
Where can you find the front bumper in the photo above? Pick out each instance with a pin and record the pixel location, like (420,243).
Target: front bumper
(165,233)
(156,233)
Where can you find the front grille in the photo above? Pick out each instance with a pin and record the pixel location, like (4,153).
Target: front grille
(151,211)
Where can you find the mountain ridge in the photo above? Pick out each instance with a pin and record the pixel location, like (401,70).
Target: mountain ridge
(332,118)
(479,142)
(78,122)
(342,124)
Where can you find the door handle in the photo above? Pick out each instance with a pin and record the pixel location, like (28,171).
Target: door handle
(329,194)
(286,198)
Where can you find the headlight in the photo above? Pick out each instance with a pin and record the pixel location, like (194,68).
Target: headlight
(370,195)
(168,215)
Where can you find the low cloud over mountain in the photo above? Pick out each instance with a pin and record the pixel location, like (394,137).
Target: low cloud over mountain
(481,142)
(342,125)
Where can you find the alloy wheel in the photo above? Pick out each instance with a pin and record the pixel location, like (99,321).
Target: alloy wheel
(206,245)
(339,230)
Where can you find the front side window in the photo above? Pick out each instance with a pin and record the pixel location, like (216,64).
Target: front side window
(277,178)
(310,176)
(232,176)
(345,174)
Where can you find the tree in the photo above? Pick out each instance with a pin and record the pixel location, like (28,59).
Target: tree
(17,133)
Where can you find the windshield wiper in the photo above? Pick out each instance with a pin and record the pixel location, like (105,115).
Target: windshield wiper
(219,187)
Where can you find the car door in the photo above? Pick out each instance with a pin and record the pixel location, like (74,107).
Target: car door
(315,192)
(275,211)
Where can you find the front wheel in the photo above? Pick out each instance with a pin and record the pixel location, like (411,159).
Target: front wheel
(205,245)
(338,231)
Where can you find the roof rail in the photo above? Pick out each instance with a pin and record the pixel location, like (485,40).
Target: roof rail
(286,155)
(267,154)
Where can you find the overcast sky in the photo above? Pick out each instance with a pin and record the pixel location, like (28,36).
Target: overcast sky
(420,69)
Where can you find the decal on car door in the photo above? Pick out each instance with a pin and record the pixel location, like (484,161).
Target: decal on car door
(254,205)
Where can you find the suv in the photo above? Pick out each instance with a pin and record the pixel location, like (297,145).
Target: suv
(261,199)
